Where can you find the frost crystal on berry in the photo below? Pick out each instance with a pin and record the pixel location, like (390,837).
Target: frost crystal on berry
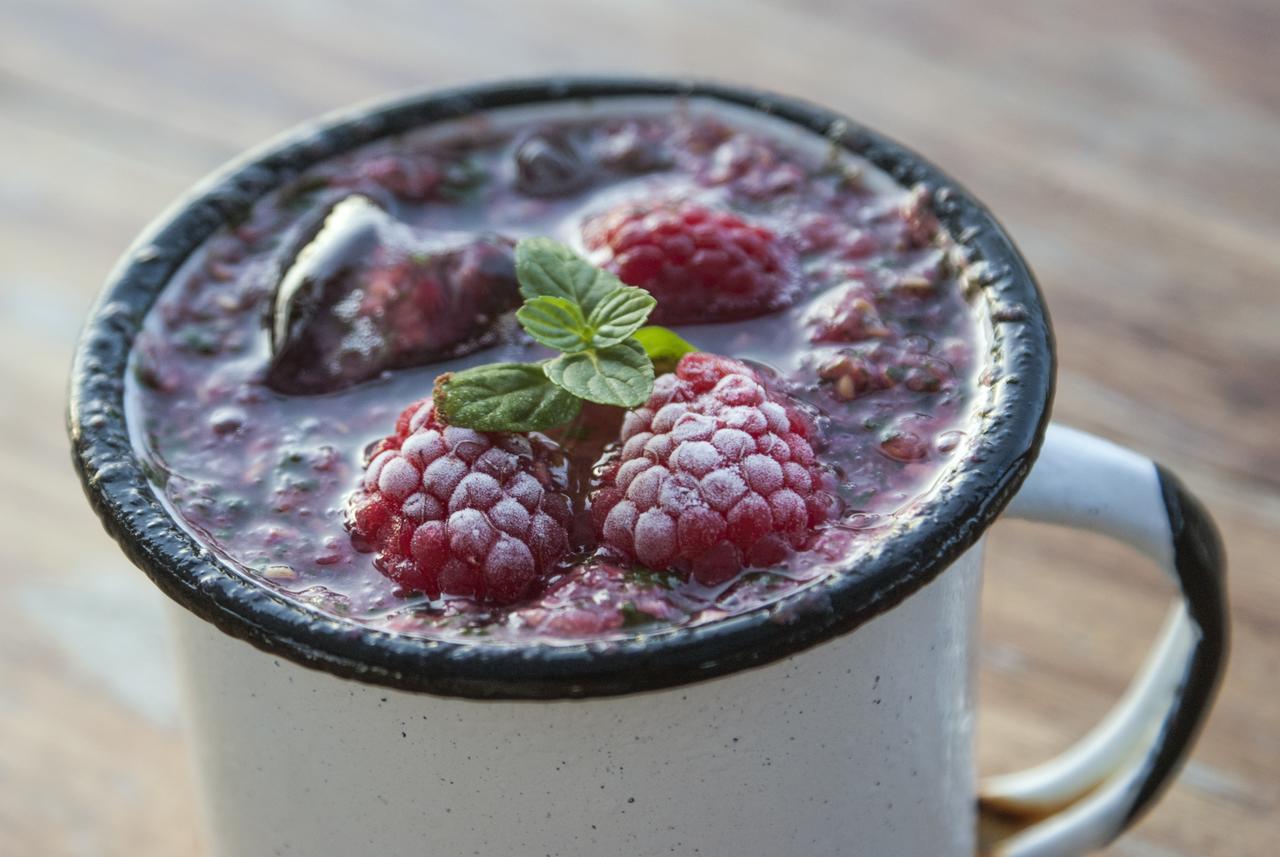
(715,473)
(462,512)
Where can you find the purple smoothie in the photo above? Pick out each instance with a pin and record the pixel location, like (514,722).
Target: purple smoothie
(879,344)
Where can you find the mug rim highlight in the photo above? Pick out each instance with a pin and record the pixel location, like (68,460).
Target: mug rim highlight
(916,549)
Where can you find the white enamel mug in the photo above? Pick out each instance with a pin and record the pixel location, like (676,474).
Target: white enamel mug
(837,721)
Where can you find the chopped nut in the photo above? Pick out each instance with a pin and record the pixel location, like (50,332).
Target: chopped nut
(279,572)
(915,284)
(839,367)
(845,388)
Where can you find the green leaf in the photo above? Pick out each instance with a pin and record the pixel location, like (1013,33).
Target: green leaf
(546,267)
(503,397)
(556,323)
(664,347)
(619,314)
(618,375)
(634,617)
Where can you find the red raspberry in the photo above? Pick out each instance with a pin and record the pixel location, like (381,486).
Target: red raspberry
(459,511)
(716,473)
(702,265)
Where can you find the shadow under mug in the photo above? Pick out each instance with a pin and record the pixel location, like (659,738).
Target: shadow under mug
(835,722)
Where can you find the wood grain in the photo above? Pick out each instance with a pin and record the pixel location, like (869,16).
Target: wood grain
(1131,148)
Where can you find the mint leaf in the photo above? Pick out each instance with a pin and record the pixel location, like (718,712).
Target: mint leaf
(556,323)
(503,397)
(634,617)
(664,347)
(619,314)
(619,375)
(579,309)
(546,267)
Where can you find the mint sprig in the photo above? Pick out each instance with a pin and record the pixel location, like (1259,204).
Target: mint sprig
(589,315)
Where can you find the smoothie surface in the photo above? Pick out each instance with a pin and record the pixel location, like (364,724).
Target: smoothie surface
(256,439)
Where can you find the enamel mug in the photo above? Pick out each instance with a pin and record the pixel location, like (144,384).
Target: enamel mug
(837,722)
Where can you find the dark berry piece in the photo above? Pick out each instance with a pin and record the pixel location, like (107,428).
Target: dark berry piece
(367,293)
(920,224)
(455,511)
(716,473)
(701,264)
(634,147)
(549,165)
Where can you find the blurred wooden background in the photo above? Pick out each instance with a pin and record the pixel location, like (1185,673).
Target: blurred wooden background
(1132,148)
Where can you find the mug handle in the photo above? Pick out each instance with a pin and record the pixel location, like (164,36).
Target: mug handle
(1084,798)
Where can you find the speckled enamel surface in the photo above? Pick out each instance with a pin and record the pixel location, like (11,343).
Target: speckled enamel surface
(859,746)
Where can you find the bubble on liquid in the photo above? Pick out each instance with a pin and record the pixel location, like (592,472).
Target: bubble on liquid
(227,420)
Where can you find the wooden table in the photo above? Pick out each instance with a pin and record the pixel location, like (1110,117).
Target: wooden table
(1133,149)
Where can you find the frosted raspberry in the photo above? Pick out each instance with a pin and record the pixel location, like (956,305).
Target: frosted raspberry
(461,512)
(701,264)
(715,473)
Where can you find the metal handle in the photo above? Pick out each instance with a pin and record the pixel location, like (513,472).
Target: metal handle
(1086,797)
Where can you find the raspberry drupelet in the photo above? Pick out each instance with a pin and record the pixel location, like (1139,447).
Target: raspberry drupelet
(700,264)
(716,473)
(461,512)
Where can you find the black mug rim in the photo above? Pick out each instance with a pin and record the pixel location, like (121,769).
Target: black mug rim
(919,548)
